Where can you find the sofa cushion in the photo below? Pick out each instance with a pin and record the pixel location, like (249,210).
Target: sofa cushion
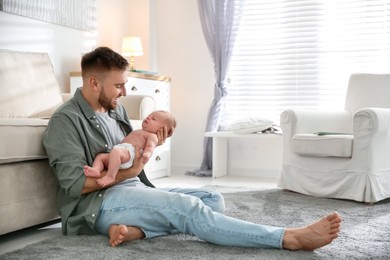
(338,145)
(21,139)
(28,85)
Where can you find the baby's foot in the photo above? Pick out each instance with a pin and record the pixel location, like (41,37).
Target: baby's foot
(91,172)
(106,180)
(313,236)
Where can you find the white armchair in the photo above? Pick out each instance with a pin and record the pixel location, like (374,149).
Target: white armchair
(350,158)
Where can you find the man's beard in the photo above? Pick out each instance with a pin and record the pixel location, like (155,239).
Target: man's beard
(104,101)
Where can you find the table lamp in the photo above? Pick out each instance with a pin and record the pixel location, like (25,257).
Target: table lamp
(132,47)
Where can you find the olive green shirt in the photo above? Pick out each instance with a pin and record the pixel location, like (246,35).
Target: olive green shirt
(72,140)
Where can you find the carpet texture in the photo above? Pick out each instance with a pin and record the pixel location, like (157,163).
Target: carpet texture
(365,233)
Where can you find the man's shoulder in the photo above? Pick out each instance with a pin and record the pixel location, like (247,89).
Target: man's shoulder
(69,111)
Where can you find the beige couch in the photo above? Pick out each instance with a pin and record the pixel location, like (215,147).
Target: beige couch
(29,94)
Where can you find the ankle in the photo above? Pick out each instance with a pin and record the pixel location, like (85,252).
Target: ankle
(290,241)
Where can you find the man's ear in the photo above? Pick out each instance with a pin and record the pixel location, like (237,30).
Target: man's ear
(93,82)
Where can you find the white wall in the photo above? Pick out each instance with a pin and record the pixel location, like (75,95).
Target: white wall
(66,45)
(174,46)
(183,55)
(120,18)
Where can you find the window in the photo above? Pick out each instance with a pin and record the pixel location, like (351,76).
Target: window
(299,54)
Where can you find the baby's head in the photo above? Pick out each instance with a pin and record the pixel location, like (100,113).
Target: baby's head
(157,120)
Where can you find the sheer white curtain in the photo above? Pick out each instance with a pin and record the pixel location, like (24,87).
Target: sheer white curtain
(300,53)
(220,20)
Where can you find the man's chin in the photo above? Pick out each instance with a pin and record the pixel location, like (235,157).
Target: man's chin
(114,104)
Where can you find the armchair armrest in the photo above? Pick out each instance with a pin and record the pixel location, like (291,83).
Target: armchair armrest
(138,106)
(372,137)
(375,119)
(309,122)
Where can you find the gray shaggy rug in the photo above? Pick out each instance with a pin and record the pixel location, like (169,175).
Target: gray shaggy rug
(365,232)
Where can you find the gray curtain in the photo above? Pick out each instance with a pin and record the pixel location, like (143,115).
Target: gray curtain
(220,22)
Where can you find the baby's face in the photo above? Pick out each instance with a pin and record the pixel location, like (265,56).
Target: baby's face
(154,122)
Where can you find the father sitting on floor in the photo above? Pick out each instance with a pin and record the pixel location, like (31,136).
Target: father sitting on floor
(92,122)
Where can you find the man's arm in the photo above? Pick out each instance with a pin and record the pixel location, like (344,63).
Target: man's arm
(91,184)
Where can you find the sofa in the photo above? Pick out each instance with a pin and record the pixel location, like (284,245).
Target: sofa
(29,95)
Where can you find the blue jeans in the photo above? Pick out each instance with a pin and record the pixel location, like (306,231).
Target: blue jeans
(195,212)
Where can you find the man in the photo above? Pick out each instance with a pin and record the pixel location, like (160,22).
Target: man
(92,122)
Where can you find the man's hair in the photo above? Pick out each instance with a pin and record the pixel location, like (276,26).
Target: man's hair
(101,60)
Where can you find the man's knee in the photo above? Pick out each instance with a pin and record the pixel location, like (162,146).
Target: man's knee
(217,202)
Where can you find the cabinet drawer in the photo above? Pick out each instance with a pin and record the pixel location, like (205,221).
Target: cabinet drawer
(158,90)
(158,161)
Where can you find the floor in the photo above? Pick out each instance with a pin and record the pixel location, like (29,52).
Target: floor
(20,239)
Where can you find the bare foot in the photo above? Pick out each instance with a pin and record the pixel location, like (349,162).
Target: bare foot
(121,233)
(313,236)
(91,172)
(106,180)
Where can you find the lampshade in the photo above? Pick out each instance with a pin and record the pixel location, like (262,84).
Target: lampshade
(132,46)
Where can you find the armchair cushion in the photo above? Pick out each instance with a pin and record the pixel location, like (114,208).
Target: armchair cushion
(323,145)
(376,96)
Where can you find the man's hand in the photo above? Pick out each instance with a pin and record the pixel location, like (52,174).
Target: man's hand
(138,165)
(145,157)
(162,135)
(91,184)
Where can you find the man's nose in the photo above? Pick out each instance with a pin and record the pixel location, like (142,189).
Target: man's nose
(124,93)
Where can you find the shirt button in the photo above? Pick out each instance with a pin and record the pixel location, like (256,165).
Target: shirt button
(106,145)
(94,117)
(97,126)
(93,215)
(100,195)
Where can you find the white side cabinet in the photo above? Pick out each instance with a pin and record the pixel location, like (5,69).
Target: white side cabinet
(158,88)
